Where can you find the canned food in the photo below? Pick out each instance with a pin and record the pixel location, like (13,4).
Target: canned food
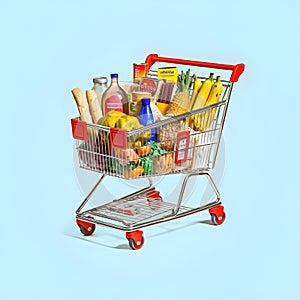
(139,71)
(136,102)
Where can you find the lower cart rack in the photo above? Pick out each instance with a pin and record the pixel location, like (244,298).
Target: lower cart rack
(143,208)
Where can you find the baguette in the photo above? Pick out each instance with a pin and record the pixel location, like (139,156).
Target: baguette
(94,106)
(82,105)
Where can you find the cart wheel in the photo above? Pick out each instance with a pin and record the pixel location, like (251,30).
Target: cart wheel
(86,228)
(135,239)
(217,215)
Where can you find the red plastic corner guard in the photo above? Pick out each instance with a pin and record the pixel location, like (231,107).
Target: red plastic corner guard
(118,138)
(237,70)
(79,130)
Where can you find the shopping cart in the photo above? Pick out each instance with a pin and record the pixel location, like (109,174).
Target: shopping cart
(179,150)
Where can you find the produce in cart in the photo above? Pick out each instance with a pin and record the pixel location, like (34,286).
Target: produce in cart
(210,93)
(181,101)
(116,119)
(196,89)
(158,161)
(203,92)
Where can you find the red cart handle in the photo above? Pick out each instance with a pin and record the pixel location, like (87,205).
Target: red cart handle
(237,70)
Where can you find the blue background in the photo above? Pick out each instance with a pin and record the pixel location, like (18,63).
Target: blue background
(48,48)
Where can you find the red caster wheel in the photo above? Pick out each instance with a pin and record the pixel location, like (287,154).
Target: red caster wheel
(135,239)
(86,228)
(217,214)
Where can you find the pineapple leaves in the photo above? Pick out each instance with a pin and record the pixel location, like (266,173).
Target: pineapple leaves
(185,80)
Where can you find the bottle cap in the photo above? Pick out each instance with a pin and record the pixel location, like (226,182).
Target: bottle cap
(146,101)
(100,80)
(114,75)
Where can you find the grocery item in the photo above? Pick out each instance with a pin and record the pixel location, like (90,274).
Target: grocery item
(205,119)
(111,118)
(168,90)
(158,90)
(163,107)
(94,107)
(82,105)
(135,103)
(181,102)
(147,164)
(148,85)
(203,92)
(125,155)
(128,123)
(139,71)
(200,101)
(163,163)
(116,119)
(168,73)
(128,86)
(144,150)
(146,116)
(157,161)
(157,115)
(114,98)
(167,134)
(136,172)
(196,88)
(100,85)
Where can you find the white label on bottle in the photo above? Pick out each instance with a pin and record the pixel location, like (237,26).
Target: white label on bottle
(113,103)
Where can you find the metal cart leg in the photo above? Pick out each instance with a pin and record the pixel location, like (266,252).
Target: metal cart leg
(215,209)
(187,177)
(84,202)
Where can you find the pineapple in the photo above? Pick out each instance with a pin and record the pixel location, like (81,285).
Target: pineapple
(181,101)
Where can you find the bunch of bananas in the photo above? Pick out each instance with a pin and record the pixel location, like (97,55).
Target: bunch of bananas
(204,94)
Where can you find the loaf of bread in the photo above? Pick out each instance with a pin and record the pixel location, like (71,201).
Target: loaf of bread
(82,105)
(94,105)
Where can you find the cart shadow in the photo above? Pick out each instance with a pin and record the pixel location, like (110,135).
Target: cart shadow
(121,247)
(167,231)
(126,246)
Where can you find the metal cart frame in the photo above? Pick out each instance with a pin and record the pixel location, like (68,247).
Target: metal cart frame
(146,207)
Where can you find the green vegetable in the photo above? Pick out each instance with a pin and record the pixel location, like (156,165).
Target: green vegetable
(146,162)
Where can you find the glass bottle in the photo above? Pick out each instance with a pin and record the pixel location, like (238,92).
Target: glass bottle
(146,117)
(114,98)
(100,85)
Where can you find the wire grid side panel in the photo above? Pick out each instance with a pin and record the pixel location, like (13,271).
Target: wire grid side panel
(156,159)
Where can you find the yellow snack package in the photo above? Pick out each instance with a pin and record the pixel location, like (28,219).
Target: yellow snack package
(168,73)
